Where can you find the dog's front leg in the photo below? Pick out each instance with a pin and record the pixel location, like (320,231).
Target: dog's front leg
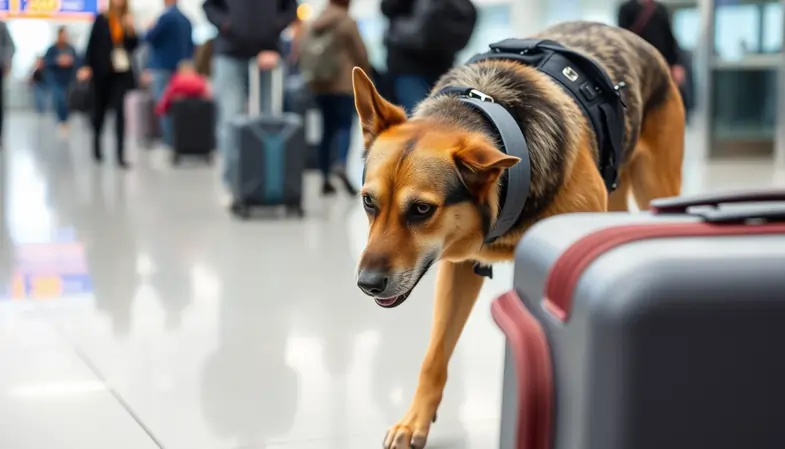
(457,288)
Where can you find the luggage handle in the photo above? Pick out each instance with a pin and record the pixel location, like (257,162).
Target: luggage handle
(680,205)
(767,214)
(276,89)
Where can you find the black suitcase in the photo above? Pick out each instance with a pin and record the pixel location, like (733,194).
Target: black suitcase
(193,128)
(649,331)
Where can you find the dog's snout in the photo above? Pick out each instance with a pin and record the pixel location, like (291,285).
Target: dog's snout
(372,282)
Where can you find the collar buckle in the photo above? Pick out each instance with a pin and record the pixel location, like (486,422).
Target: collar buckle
(474,93)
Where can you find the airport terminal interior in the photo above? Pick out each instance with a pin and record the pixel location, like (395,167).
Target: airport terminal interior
(137,313)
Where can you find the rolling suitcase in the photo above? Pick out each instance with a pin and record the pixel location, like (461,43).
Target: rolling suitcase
(266,168)
(193,126)
(649,331)
(141,121)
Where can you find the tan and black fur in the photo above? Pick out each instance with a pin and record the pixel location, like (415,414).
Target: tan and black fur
(432,181)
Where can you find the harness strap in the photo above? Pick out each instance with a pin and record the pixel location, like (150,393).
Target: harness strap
(588,83)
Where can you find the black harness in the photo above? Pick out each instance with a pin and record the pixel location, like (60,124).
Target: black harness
(585,81)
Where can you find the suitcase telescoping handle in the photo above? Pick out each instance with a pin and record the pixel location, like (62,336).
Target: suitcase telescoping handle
(274,88)
(707,206)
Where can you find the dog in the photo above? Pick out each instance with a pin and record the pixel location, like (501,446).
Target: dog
(432,181)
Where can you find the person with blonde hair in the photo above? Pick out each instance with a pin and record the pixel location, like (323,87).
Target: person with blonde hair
(108,65)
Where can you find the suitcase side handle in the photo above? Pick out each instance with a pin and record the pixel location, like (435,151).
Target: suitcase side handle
(680,204)
(767,214)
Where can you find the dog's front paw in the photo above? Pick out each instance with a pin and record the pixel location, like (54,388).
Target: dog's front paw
(412,431)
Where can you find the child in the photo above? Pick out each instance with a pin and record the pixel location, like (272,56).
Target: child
(185,83)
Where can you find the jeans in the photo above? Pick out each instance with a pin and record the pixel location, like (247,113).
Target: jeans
(337,118)
(230,81)
(412,89)
(41,97)
(160,81)
(59,101)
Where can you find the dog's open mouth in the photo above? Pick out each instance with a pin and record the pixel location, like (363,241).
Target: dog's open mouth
(395,301)
(389,303)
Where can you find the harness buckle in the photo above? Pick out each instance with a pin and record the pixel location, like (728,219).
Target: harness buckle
(474,93)
(618,89)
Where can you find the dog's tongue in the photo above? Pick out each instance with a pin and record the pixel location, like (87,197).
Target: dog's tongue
(386,302)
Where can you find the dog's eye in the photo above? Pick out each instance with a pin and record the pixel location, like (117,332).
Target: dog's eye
(421,210)
(368,202)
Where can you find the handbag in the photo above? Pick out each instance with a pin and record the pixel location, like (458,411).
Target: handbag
(80,97)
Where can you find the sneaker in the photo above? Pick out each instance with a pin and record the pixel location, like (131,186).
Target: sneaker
(327,188)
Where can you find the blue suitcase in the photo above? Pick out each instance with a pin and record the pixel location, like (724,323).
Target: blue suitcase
(267,169)
(267,163)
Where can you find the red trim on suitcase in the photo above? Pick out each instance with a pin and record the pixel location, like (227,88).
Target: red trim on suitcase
(532,358)
(566,272)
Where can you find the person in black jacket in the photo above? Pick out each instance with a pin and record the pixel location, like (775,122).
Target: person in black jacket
(247,29)
(420,48)
(650,20)
(108,64)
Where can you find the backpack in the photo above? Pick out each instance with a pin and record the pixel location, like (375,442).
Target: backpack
(320,56)
(445,26)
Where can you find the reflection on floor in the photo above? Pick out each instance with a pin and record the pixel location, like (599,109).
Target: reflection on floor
(135,313)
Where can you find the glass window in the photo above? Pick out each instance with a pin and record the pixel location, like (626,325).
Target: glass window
(772,28)
(686,27)
(736,31)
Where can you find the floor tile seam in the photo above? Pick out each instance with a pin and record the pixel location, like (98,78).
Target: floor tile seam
(93,368)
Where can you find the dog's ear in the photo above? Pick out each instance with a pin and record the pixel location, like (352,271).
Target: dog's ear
(480,165)
(376,114)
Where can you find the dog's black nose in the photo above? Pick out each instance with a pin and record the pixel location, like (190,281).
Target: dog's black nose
(372,282)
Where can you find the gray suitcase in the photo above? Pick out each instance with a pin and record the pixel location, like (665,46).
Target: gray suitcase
(267,166)
(649,331)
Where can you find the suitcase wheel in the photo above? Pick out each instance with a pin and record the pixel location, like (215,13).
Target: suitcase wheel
(241,210)
(296,210)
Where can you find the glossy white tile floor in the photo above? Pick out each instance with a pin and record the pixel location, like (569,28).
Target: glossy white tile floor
(138,314)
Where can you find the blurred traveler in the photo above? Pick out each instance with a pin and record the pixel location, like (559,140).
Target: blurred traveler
(107,63)
(330,49)
(185,83)
(39,84)
(687,87)
(294,87)
(650,20)
(247,29)
(7,50)
(61,68)
(422,40)
(204,58)
(171,41)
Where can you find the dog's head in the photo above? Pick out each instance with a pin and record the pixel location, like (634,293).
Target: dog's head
(430,192)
